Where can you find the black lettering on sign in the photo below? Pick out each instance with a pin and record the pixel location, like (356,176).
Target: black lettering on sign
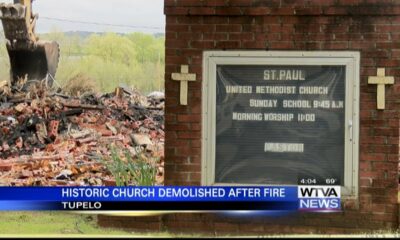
(276,123)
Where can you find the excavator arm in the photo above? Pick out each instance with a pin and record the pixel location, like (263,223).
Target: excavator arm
(29,58)
(30,18)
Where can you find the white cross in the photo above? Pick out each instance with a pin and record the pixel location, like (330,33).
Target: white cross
(380,80)
(184,77)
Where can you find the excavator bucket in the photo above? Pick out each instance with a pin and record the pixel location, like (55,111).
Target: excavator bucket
(29,58)
(35,62)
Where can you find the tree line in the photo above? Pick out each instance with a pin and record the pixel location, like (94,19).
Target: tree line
(108,59)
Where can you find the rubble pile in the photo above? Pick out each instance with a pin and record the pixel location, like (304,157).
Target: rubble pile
(51,139)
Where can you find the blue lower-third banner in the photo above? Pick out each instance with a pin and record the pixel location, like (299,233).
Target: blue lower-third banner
(273,198)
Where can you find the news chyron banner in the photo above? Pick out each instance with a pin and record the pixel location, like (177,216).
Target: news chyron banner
(273,198)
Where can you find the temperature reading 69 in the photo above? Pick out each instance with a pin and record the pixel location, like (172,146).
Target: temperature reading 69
(332,181)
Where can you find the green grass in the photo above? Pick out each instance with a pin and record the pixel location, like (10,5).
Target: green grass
(129,171)
(50,223)
(62,224)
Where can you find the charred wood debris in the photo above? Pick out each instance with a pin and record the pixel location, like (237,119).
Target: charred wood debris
(48,138)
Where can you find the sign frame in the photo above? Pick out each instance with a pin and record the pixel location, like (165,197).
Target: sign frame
(350,59)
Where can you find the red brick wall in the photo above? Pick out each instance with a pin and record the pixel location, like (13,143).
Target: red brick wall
(369,26)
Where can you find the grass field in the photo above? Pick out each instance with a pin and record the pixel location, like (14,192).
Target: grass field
(61,224)
(50,223)
(53,224)
(57,223)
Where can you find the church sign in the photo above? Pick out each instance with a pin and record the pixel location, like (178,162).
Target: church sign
(273,118)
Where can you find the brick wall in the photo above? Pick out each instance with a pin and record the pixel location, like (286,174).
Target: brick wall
(369,26)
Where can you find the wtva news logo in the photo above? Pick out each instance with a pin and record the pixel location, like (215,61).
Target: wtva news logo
(319,198)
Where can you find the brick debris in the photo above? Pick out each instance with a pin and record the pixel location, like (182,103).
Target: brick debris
(48,138)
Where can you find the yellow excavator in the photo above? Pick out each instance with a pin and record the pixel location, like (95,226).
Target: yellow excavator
(30,59)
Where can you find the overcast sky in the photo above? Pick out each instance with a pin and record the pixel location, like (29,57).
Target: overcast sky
(65,15)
